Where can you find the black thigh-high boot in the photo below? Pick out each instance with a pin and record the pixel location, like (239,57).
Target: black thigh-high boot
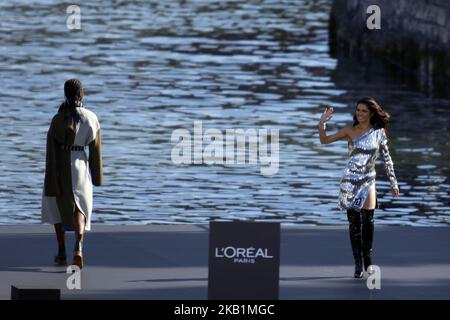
(354,218)
(367,237)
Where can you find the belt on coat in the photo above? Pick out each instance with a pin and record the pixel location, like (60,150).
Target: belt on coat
(72,148)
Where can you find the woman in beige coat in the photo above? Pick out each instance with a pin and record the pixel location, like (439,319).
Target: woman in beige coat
(70,172)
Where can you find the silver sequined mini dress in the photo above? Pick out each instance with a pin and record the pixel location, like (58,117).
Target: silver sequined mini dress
(359,174)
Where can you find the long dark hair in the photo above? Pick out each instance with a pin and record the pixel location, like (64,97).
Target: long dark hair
(73,90)
(379,118)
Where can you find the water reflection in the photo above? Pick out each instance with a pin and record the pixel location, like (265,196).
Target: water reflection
(150,68)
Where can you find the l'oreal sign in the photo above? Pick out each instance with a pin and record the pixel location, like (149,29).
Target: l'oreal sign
(244,260)
(242,255)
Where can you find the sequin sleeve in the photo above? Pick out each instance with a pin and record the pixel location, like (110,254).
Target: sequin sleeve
(388,163)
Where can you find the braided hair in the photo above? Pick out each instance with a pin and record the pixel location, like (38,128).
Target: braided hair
(73,90)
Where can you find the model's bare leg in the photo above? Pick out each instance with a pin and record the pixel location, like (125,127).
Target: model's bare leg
(60,259)
(79,224)
(371,199)
(60,235)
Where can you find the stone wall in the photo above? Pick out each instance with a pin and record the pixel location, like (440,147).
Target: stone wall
(414,34)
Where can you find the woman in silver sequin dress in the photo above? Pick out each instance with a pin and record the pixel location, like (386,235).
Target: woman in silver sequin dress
(367,139)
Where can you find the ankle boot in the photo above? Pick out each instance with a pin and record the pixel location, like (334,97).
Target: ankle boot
(78,254)
(354,219)
(367,237)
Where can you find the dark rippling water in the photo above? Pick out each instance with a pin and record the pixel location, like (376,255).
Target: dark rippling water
(150,67)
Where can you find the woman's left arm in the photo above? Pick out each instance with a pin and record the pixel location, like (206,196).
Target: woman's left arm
(51,183)
(95,154)
(388,164)
(95,160)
